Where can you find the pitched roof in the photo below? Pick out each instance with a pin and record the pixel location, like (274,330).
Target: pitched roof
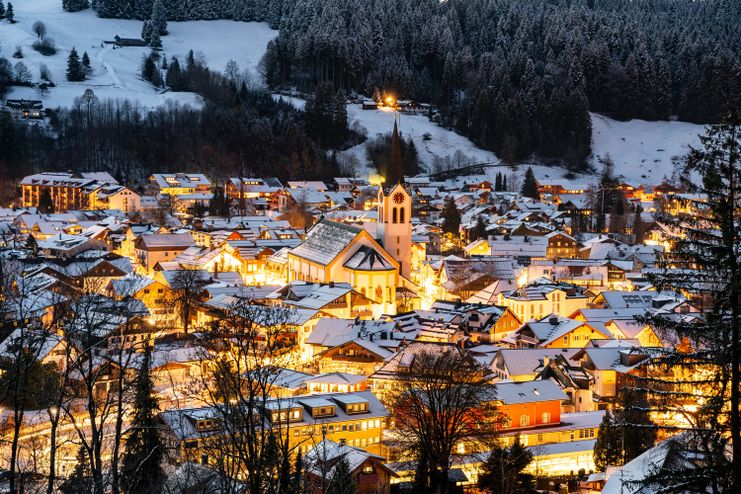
(325,241)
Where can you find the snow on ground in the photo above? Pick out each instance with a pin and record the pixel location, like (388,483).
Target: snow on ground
(643,151)
(430,139)
(115,71)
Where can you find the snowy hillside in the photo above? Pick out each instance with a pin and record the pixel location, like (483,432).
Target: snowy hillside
(643,151)
(115,71)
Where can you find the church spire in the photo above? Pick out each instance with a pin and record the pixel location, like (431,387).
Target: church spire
(395,170)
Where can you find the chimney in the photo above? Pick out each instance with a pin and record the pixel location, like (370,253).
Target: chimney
(384,335)
(331,284)
(343,441)
(553,320)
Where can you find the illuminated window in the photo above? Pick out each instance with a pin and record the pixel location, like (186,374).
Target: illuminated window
(546,417)
(524,420)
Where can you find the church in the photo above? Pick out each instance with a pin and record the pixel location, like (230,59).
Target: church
(375,267)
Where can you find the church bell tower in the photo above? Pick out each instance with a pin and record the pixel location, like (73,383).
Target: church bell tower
(394,229)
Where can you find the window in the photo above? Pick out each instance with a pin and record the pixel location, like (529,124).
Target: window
(524,420)
(393,216)
(368,470)
(565,339)
(546,417)
(401,215)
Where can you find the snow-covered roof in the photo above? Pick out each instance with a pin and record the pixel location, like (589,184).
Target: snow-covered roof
(325,241)
(512,393)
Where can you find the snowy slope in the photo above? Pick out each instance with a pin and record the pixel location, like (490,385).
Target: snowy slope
(441,143)
(643,151)
(115,71)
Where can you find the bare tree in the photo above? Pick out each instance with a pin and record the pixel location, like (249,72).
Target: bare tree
(187,286)
(442,404)
(245,350)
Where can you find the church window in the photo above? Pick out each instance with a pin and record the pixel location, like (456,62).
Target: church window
(393,220)
(401,215)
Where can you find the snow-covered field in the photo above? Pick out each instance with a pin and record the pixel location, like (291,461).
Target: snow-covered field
(430,139)
(643,151)
(116,71)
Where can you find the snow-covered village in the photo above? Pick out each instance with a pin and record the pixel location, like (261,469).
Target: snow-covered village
(384,247)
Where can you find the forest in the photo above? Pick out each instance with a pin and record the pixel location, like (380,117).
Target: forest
(240,130)
(516,77)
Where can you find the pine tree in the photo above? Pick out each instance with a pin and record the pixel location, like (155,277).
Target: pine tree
(159,17)
(75,71)
(479,229)
(81,480)
(451,217)
(154,40)
(498,182)
(144,451)
(174,76)
(342,480)
(607,447)
(503,470)
(147,32)
(10,14)
(2,10)
(634,422)
(218,205)
(703,262)
(86,63)
(529,185)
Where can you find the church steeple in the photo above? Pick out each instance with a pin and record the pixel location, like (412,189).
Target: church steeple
(395,169)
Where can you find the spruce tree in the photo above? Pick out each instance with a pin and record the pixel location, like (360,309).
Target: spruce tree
(503,470)
(451,217)
(81,479)
(342,481)
(2,10)
(147,32)
(498,182)
(174,75)
(704,262)
(86,63)
(154,40)
(10,14)
(529,185)
(607,447)
(159,17)
(479,229)
(75,71)
(144,451)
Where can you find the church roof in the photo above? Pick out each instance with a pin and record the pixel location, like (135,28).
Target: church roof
(368,259)
(325,241)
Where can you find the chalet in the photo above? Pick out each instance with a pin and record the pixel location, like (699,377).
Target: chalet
(369,473)
(335,299)
(151,249)
(572,379)
(358,419)
(524,364)
(175,184)
(23,109)
(610,368)
(542,297)
(556,332)
(530,404)
(122,42)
